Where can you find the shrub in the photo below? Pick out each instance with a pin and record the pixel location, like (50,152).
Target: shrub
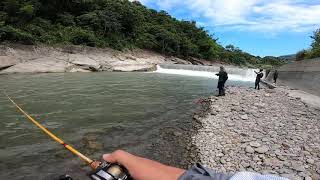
(16,35)
(301,55)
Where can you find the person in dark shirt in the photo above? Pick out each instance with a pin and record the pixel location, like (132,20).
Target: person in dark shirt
(223,77)
(275,76)
(258,79)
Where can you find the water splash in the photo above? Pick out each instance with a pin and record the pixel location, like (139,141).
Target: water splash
(234,73)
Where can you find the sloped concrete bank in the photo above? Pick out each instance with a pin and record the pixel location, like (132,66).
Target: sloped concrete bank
(303,75)
(42,59)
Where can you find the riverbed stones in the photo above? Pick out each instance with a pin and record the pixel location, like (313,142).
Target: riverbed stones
(262,134)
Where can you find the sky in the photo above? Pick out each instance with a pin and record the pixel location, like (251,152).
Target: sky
(260,27)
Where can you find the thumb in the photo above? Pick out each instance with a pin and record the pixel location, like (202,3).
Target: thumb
(109,158)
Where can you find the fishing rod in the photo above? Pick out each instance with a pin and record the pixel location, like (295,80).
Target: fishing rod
(101,170)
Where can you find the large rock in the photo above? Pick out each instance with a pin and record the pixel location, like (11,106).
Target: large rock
(85,62)
(41,65)
(7,61)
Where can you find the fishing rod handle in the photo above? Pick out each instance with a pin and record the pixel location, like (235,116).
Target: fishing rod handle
(110,171)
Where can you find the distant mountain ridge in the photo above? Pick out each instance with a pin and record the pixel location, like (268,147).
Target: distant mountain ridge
(289,57)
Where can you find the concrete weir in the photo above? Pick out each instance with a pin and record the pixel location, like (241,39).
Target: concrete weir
(235,73)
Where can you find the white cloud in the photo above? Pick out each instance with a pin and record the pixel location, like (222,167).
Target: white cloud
(253,15)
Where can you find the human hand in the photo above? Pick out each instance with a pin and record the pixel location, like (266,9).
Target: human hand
(143,169)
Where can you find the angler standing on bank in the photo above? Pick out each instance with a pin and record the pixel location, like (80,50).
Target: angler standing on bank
(223,77)
(258,79)
(275,76)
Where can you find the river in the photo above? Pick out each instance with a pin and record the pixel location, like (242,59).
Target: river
(96,113)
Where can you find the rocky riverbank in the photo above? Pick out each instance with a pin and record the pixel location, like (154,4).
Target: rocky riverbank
(42,59)
(265,131)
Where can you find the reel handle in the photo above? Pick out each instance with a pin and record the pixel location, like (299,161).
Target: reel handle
(110,171)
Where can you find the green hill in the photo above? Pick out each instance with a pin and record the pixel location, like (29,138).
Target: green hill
(119,24)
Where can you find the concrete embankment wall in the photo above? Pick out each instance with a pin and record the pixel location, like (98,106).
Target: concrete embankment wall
(304,75)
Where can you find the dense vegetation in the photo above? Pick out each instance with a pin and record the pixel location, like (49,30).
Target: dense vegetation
(314,51)
(118,24)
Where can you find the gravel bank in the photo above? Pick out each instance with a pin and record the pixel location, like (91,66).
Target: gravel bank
(265,131)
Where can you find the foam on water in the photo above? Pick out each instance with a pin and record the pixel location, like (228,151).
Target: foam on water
(235,74)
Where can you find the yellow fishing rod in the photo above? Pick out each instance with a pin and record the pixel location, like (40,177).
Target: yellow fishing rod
(102,170)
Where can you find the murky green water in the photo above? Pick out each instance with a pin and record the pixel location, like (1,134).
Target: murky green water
(119,110)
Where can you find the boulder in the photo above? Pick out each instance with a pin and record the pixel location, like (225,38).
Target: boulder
(84,61)
(41,65)
(7,61)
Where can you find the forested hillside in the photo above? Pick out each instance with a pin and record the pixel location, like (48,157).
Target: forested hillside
(118,24)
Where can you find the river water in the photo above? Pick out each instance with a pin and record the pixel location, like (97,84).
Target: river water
(94,112)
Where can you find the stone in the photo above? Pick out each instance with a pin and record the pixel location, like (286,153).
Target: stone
(315,176)
(286,145)
(244,117)
(222,161)
(176,133)
(289,176)
(256,158)
(249,149)
(297,167)
(245,164)
(262,149)
(255,144)
(310,161)
(235,104)
(214,113)
(273,162)
(84,61)
(285,171)
(307,178)
(282,158)
(259,105)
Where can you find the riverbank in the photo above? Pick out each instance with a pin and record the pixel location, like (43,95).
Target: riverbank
(266,131)
(44,59)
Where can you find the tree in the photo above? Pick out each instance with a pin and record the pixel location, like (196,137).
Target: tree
(118,24)
(315,46)
(301,55)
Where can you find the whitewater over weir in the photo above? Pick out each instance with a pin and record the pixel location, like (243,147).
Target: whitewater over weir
(234,73)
